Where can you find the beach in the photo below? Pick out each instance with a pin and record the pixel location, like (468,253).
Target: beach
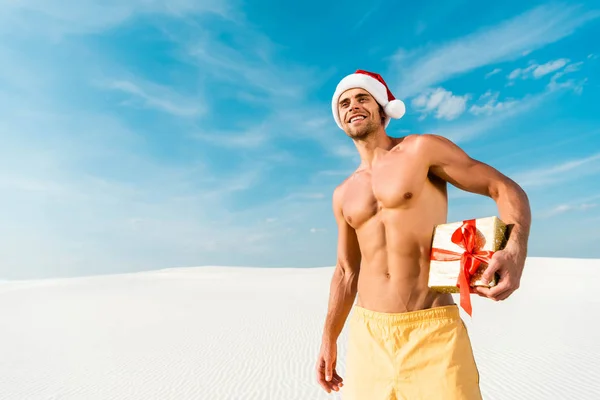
(254,333)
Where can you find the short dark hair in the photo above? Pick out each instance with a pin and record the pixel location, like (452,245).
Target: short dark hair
(382,113)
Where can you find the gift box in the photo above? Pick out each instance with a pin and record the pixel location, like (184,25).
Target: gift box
(460,253)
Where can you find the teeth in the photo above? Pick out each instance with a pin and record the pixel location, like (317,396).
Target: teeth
(356,118)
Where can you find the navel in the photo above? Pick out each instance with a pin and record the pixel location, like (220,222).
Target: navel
(408,195)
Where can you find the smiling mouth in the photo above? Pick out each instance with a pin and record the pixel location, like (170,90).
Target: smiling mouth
(357,118)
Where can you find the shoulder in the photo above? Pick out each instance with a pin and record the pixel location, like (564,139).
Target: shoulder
(419,140)
(340,190)
(429,144)
(426,139)
(337,199)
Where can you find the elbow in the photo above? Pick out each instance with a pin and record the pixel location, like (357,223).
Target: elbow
(507,189)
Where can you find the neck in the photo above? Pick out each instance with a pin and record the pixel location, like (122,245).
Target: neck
(370,147)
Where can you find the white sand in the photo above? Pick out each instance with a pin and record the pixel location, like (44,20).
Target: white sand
(244,333)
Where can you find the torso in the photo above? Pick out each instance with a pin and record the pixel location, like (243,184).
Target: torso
(393,208)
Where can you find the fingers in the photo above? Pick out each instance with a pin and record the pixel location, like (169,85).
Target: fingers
(335,383)
(500,292)
(493,267)
(327,377)
(328,371)
(493,293)
(321,376)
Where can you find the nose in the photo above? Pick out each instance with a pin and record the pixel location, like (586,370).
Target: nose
(353,105)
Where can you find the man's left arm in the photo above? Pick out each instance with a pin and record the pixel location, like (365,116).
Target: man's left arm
(451,163)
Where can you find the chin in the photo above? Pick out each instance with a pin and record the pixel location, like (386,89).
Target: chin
(360,133)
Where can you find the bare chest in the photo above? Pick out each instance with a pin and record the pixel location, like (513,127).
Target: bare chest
(388,186)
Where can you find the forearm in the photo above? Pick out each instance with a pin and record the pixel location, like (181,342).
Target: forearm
(342,294)
(514,209)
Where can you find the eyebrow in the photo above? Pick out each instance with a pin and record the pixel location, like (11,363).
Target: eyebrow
(358,96)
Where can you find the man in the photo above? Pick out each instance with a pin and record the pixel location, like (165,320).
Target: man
(405,340)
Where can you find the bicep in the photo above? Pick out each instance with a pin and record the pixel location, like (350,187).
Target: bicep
(348,249)
(454,165)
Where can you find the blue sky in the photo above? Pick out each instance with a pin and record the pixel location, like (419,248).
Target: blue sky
(144,134)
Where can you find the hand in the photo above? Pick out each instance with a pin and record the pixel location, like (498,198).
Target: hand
(509,267)
(326,374)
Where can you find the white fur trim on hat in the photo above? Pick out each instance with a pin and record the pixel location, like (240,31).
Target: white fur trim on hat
(374,84)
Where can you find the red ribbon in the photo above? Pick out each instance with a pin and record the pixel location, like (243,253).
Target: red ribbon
(470,259)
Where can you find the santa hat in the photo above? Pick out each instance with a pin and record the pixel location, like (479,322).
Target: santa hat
(376,86)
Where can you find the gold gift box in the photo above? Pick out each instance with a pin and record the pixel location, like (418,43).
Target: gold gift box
(491,234)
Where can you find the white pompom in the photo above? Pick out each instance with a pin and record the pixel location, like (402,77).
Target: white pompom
(395,109)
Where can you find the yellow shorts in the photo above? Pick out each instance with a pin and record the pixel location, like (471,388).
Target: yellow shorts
(416,355)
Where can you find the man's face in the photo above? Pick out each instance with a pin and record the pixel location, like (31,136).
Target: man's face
(360,114)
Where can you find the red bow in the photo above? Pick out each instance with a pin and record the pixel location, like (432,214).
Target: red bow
(465,236)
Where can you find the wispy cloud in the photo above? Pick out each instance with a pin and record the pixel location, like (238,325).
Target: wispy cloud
(59,18)
(441,102)
(563,208)
(549,67)
(489,104)
(230,139)
(249,69)
(417,70)
(150,95)
(552,174)
(493,72)
(537,71)
(578,205)
(575,85)
(487,117)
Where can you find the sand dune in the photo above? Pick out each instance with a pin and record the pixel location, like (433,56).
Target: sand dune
(244,333)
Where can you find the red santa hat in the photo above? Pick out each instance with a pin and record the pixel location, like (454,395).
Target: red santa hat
(376,86)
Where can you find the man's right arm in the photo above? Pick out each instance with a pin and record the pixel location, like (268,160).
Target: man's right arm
(345,277)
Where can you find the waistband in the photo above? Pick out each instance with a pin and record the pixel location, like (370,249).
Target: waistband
(449,312)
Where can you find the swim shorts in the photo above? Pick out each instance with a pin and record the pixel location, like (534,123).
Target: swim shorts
(424,354)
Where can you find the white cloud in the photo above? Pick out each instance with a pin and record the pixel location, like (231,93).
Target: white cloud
(552,174)
(305,196)
(442,102)
(489,104)
(549,67)
(97,192)
(575,85)
(522,72)
(488,121)
(566,207)
(537,71)
(578,205)
(508,40)
(493,72)
(62,17)
(247,69)
(151,95)
(515,74)
(253,138)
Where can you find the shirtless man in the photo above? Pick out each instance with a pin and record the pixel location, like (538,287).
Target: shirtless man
(405,341)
